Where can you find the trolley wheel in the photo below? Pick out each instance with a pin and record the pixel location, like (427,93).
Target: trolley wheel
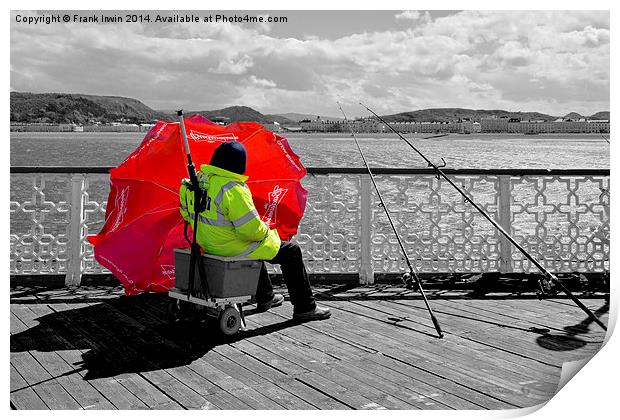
(177,309)
(229,321)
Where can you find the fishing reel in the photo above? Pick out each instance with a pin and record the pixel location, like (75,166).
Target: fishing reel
(410,280)
(546,288)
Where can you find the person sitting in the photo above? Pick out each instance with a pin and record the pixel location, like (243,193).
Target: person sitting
(229,226)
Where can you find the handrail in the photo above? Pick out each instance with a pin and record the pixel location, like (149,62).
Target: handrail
(78,208)
(338,170)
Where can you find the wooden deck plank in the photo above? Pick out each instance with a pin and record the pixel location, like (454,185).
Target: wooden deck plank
(22,395)
(324,367)
(232,377)
(257,400)
(235,376)
(275,361)
(556,314)
(567,335)
(414,383)
(47,388)
(167,375)
(204,378)
(93,349)
(505,337)
(284,397)
(452,347)
(138,387)
(276,374)
(368,331)
(111,387)
(345,396)
(332,370)
(104,330)
(60,364)
(526,313)
(118,388)
(488,364)
(375,388)
(515,362)
(311,338)
(317,397)
(251,363)
(380,392)
(177,390)
(226,401)
(410,391)
(463,330)
(351,334)
(415,316)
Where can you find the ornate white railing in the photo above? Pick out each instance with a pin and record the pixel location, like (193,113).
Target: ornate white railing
(561,217)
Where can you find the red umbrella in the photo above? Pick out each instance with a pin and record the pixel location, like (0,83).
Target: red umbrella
(143,224)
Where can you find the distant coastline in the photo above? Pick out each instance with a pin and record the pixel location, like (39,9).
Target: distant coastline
(452,136)
(344,136)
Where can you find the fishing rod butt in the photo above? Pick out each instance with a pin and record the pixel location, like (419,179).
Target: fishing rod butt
(554,280)
(437,327)
(180,113)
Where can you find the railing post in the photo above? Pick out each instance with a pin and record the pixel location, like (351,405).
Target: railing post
(505,247)
(367,275)
(74,269)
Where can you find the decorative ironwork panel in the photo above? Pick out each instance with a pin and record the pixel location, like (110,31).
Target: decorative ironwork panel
(440,232)
(563,221)
(96,189)
(329,233)
(40,218)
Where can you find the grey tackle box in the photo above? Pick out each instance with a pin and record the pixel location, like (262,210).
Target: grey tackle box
(226,276)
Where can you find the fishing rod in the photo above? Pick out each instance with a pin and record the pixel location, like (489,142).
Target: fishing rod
(549,277)
(412,273)
(199,199)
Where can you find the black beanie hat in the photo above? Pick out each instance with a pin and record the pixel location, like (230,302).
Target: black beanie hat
(230,156)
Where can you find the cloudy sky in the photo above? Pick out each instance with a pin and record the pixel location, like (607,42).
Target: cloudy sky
(553,62)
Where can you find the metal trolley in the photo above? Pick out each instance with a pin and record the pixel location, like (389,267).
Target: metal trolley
(231,282)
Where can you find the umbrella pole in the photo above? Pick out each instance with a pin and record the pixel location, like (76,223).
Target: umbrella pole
(196,254)
(412,275)
(551,278)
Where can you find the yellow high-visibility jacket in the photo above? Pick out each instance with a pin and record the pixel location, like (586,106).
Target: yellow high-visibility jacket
(230,225)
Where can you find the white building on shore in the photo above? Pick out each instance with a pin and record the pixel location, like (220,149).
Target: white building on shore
(513,125)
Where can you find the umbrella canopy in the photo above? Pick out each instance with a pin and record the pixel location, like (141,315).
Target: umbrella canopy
(143,224)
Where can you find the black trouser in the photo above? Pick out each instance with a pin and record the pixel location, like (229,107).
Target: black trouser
(295,276)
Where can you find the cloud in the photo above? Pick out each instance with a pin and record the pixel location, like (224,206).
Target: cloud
(261,82)
(409,15)
(553,61)
(233,65)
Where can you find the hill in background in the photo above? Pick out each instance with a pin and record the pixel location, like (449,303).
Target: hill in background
(63,108)
(296,117)
(452,114)
(602,115)
(236,113)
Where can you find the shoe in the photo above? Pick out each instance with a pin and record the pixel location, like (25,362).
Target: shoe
(275,301)
(317,313)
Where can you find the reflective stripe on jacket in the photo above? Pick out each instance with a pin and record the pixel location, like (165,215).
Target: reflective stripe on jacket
(230,225)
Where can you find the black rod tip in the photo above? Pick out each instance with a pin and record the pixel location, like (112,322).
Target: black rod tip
(180,112)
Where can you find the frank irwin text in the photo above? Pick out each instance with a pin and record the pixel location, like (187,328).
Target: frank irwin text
(47,19)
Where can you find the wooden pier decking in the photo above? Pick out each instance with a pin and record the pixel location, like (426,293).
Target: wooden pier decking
(92,348)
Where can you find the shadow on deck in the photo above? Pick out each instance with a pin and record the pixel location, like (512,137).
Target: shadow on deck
(94,348)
